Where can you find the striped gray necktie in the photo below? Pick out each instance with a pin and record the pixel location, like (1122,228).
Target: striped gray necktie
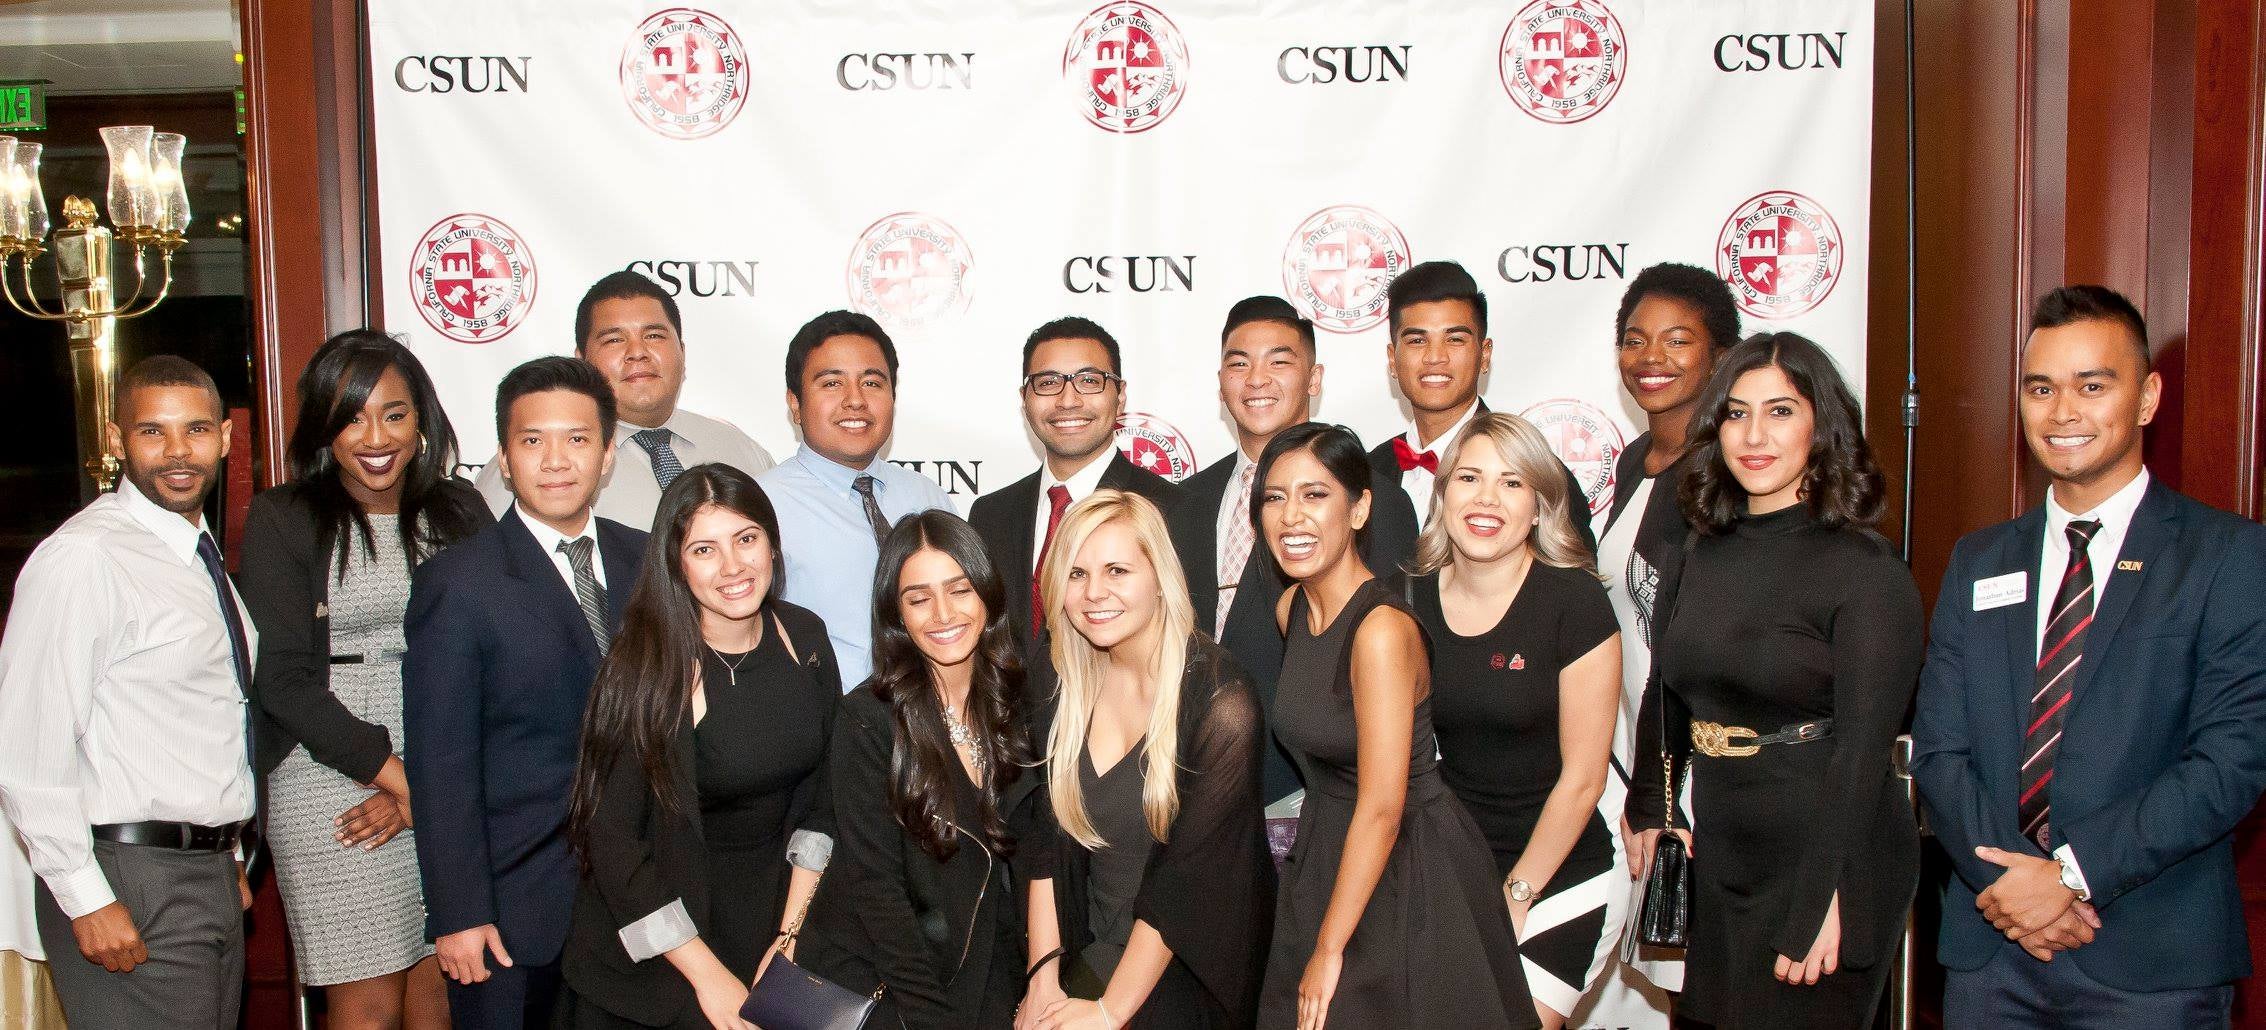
(666,467)
(587,592)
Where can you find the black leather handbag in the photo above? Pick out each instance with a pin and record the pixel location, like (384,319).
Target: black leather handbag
(789,997)
(1663,917)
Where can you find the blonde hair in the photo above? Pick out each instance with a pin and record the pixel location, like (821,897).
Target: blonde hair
(1079,665)
(1553,538)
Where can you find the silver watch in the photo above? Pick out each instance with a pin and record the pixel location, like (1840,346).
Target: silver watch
(2071,880)
(1522,891)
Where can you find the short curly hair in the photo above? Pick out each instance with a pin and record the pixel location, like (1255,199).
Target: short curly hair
(1693,285)
(1841,483)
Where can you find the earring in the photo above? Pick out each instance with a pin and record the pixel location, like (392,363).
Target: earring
(420,444)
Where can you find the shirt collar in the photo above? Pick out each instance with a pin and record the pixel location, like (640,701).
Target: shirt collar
(178,534)
(833,473)
(549,539)
(1082,482)
(2118,510)
(1421,446)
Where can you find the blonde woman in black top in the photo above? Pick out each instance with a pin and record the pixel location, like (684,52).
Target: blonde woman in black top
(1526,668)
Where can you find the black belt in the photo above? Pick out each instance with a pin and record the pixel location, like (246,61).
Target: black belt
(373,658)
(177,836)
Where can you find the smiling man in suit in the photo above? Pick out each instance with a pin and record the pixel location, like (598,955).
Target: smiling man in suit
(1073,391)
(1269,379)
(505,632)
(1436,354)
(2091,722)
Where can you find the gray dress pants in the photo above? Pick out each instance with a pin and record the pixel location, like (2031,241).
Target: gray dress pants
(185,906)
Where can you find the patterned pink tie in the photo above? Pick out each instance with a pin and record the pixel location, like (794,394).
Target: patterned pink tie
(1238,549)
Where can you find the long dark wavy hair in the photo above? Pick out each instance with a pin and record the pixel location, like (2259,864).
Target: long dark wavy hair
(1841,484)
(332,390)
(923,755)
(643,693)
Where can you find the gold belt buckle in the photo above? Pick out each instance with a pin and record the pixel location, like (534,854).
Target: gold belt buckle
(1715,740)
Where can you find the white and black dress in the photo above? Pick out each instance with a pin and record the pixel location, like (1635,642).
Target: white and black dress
(1495,708)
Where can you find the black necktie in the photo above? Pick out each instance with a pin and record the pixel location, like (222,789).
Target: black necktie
(2058,653)
(864,486)
(238,645)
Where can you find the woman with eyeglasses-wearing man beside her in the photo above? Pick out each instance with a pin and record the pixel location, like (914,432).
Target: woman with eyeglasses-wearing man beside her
(1790,654)
(1389,913)
(1526,670)
(1150,885)
(700,813)
(932,772)
(327,558)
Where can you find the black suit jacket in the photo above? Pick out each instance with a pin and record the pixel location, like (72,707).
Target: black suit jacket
(1006,519)
(500,663)
(1387,466)
(285,578)
(2163,745)
(1251,635)
(642,859)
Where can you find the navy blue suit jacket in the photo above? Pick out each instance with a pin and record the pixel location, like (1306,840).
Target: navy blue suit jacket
(500,663)
(2163,748)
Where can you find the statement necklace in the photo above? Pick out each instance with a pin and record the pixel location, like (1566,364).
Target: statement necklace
(963,739)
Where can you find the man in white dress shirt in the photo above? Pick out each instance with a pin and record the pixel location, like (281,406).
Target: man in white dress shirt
(629,328)
(123,742)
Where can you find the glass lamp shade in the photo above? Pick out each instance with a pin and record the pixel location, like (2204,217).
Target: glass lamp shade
(8,216)
(23,189)
(132,201)
(167,183)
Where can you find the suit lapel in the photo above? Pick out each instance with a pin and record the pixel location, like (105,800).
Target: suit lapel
(525,561)
(2154,527)
(2021,553)
(623,553)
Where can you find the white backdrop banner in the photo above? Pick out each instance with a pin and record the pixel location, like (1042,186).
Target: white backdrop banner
(966,172)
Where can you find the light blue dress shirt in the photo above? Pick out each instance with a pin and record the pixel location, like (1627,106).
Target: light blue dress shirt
(829,545)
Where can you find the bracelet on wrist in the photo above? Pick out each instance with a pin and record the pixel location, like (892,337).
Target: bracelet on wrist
(1043,960)
(1108,1020)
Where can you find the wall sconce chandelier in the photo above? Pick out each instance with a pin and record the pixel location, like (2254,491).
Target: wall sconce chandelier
(149,205)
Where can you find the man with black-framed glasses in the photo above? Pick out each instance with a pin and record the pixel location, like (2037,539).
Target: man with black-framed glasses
(1072,396)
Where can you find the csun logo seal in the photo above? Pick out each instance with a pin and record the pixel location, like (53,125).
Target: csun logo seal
(684,73)
(473,278)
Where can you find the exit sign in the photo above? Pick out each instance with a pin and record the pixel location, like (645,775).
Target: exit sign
(23,105)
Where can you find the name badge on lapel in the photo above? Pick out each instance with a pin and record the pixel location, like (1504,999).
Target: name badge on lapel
(2000,591)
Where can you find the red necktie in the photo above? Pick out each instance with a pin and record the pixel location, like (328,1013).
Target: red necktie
(1410,459)
(2063,647)
(1057,499)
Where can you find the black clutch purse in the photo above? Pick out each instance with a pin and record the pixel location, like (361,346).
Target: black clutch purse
(789,997)
(1664,914)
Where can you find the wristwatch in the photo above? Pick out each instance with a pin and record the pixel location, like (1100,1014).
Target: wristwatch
(1521,891)
(2072,880)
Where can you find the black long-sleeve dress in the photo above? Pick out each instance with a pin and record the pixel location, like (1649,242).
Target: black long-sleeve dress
(944,939)
(748,775)
(1208,890)
(1782,621)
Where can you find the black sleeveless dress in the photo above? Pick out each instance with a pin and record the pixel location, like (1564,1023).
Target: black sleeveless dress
(1434,946)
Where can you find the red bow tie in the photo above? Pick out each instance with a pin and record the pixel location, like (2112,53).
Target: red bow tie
(1409,458)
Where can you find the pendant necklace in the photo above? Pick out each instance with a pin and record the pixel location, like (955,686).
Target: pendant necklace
(731,669)
(963,739)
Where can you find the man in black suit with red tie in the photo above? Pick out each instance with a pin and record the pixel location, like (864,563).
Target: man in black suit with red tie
(505,633)
(1073,392)
(2091,722)
(1436,354)
(1269,378)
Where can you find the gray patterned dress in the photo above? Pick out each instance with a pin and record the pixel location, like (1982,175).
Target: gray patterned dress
(354,914)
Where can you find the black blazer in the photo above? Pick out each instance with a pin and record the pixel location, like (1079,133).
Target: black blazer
(1006,519)
(1251,634)
(2163,746)
(285,577)
(945,938)
(500,663)
(642,859)
(1388,467)
(1209,890)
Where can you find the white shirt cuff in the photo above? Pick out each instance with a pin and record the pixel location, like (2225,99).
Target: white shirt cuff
(667,929)
(81,890)
(2069,858)
(809,849)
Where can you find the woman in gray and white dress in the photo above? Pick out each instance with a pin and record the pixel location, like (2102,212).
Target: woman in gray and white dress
(327,559)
